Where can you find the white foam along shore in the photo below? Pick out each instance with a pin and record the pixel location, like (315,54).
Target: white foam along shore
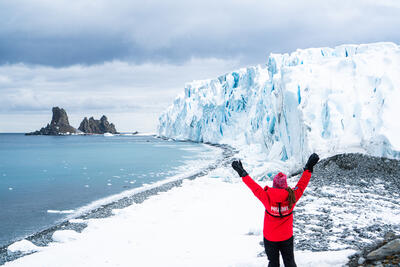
(60,211)
(189,168)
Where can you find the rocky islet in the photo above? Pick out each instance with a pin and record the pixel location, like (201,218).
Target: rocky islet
(92,126)
(59,125)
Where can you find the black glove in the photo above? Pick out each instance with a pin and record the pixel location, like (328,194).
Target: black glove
(312,160)
(237,166)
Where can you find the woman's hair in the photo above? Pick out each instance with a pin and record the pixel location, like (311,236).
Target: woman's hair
(291,198)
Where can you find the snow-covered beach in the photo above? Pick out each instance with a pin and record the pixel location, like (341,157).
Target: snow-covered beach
(208,221)
(214,220)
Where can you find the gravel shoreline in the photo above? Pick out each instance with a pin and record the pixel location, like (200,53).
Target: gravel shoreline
(351,202)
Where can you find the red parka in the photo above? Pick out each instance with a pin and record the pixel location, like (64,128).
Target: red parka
(278,218)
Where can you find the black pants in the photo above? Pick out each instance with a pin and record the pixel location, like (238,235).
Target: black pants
(285,247)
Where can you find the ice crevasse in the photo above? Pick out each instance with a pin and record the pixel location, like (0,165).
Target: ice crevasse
(324,100)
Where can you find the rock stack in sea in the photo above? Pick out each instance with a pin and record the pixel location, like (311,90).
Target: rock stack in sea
(92,126)
(59,124)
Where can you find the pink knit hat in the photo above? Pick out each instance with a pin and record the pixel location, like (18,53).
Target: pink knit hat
(280,181)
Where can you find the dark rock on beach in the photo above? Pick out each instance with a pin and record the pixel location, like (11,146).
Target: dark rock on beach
(381,253)
(92,126)
(59,124)
(389,249)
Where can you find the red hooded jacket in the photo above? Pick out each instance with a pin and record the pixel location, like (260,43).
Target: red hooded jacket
(278,218)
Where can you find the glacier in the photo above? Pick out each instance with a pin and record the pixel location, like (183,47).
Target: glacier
(324,100)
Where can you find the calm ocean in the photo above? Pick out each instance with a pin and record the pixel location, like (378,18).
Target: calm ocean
(43,179)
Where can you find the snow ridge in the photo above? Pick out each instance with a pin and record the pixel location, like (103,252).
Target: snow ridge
(324,100)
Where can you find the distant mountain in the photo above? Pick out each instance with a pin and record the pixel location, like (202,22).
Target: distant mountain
(59,124)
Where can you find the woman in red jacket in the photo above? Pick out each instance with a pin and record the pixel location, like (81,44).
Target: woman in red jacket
(279,202)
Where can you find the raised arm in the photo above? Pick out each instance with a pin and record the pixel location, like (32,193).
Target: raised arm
(257,190)
(305,177)
(302,184)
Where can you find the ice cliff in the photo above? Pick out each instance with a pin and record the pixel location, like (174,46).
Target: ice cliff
(327,100)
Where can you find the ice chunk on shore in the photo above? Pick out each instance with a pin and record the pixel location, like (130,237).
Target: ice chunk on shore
(23,246)
(63,236)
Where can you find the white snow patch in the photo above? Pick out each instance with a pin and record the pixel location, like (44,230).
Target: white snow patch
(23,246)
(63,236)
(323,259)
(77,221)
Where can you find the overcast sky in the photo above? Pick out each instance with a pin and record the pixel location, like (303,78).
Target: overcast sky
(128,59)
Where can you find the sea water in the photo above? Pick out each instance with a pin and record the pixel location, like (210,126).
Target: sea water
(43,179)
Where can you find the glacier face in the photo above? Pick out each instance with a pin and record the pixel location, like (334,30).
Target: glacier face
(327,100)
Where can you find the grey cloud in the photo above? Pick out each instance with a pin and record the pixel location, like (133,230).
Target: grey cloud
(62,33)
(60,51)
(131,58)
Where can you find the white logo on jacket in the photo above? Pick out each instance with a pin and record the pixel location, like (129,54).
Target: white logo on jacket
(283,209)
